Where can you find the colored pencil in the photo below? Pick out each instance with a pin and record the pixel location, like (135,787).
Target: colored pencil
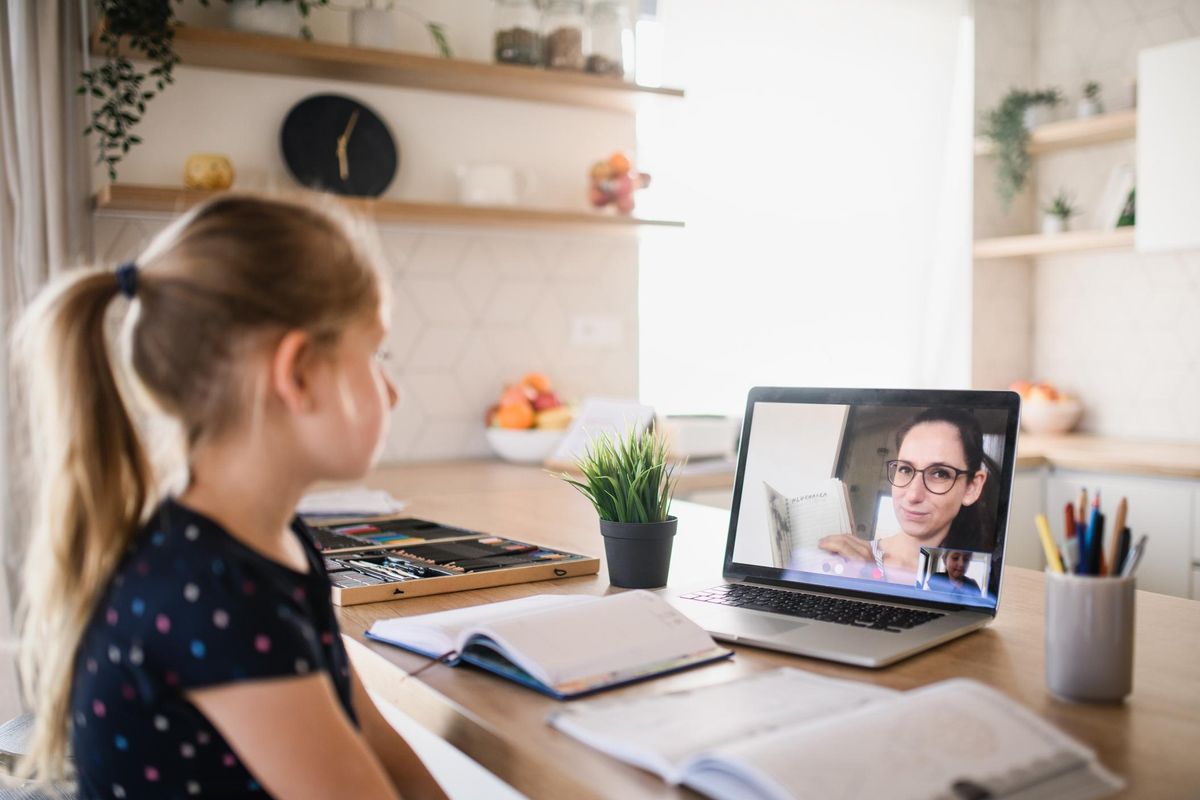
(1114,552)
(1052,558)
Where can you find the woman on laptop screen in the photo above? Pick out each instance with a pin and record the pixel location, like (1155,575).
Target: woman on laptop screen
(938,479)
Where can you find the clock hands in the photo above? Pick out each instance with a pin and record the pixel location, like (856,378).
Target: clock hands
(343,163)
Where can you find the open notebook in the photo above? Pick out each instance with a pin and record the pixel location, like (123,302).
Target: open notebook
(563,645)
(799,522)
(788,734)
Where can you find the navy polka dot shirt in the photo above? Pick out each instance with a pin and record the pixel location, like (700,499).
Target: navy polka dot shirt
(190,606)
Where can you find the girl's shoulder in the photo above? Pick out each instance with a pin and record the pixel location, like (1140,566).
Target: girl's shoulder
(187,590)
(185,540)
(182,558)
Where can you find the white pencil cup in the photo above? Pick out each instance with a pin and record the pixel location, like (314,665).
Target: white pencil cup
(1089,637)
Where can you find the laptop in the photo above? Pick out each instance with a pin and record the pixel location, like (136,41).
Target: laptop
(867,524)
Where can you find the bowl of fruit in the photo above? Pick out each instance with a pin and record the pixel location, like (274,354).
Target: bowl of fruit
(1045,409)
(528,422)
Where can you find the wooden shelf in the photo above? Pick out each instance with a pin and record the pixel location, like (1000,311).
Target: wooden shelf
(1042,245)
(1074,133)
(220,48)
(166,199)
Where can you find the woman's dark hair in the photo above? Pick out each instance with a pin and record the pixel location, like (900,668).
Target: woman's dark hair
(974,526)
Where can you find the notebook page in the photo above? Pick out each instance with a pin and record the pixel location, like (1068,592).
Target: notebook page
(915,746)
(600,640)
(440,631)
(661,732)
(818,511)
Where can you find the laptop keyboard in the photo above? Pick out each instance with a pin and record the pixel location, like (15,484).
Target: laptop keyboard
(815,606)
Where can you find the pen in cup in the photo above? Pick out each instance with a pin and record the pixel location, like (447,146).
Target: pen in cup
(1135,557)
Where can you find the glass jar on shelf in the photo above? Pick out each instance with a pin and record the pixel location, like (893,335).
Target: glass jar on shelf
(564,35)
(612,47)
(517,26)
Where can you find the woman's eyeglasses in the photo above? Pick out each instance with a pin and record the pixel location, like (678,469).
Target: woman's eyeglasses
(938,478)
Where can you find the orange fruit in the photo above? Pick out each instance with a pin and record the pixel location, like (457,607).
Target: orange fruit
(515,416)
(619,163)
(537,381)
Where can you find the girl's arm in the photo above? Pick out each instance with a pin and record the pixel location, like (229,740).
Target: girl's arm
(398,758)
(293,735)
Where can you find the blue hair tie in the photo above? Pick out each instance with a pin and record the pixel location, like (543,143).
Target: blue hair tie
(127,277)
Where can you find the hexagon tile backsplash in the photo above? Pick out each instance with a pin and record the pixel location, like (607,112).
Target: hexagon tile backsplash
(472,310)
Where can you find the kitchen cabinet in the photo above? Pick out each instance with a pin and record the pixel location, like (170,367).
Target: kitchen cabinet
(1196,545)
(1168,185)
(1023,548)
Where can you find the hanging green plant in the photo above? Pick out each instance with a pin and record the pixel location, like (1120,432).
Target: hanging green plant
(122,91)
(1005,127)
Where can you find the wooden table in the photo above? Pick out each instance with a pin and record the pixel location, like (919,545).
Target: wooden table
(1151,739)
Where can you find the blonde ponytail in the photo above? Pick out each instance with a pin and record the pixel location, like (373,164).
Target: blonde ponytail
(95,483)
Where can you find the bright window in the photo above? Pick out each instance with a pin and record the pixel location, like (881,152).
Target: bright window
(821,160)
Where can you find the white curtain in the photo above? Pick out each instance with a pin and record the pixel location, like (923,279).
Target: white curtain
(44,226)
(822,162)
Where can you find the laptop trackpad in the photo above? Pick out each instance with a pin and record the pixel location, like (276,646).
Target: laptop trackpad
(752,626)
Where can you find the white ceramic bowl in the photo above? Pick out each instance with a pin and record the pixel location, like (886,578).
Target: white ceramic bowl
(531,446)
(1039,416)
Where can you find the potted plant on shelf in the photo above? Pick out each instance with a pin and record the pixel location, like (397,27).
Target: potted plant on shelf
(630,483)
(1058,213)
(1090,104)
(148,28)
(1007,127)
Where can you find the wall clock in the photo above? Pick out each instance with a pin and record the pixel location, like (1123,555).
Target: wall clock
(334,143)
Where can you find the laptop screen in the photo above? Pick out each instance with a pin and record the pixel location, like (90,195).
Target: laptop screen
(884,492)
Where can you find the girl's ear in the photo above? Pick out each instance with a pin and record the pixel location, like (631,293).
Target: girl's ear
(289,371)
(974,488)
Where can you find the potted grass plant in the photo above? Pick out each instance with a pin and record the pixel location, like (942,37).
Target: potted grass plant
(629,482)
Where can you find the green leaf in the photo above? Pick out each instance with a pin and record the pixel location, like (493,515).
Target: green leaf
(439,39)
(627,477)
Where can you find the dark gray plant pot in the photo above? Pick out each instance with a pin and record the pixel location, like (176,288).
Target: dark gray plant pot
(638,553)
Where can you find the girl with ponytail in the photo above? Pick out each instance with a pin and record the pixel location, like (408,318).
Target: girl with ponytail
(185,644)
